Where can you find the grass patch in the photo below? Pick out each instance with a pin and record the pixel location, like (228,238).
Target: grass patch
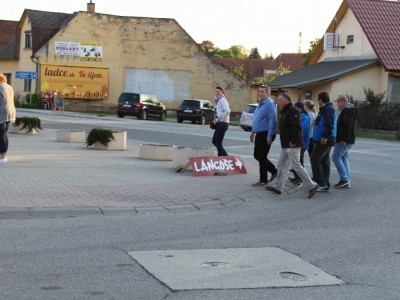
(376,135)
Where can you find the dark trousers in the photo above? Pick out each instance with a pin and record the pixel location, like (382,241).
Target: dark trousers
(261,150)
(218,137)
(310,147)
(321,164)
(3,137)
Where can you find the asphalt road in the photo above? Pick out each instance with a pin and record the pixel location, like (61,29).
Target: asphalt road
(350,233)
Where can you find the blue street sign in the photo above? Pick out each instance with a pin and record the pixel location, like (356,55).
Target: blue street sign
(26,75)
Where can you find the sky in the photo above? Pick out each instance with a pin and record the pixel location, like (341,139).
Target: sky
(273,26)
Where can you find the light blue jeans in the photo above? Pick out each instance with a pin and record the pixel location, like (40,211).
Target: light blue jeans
(340,158)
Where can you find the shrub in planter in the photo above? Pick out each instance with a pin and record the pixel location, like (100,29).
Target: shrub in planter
(28,123)
(101,135)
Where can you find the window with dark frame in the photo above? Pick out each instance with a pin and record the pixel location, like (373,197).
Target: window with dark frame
(27,85)
(350,39)
(28,39)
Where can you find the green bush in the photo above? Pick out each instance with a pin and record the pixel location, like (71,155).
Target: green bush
(32,100)
(103,136)
(29,123)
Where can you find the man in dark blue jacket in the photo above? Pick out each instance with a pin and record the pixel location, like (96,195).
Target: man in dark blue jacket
(324,138)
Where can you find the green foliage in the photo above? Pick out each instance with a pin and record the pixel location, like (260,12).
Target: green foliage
(103,136)
(374,99)
(311,49)
(33,100)
(241,71)
(254,54)
(269,56)
(28,123)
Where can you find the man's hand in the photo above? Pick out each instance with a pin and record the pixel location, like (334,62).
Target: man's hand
(269,142)
(252,137)
(324,141)
(292,145)
(343,143)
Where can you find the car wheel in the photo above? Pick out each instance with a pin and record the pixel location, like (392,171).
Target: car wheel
(120,115)
(143,114)
(193,121)
(202,120)
(179,120)
(163,115)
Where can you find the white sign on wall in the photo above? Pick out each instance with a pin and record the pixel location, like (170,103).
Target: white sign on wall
(91,53)
(67,48)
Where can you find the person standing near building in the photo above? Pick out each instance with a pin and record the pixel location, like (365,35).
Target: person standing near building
(7,115)
(292,143)
(263,134)
(221,120)
(310,108)
(345,139)
(324,138)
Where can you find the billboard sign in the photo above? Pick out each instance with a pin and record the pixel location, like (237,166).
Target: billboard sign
(81,82)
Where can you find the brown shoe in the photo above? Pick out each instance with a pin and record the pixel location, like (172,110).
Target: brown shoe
(311,193)
(272,189)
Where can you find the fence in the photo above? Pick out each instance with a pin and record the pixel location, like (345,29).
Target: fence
(382,116)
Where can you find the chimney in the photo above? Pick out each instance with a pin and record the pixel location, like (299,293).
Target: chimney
(90,7)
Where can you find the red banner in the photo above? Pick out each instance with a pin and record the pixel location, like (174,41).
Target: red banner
(213,165)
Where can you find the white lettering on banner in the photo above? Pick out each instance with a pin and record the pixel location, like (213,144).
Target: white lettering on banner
(219,165)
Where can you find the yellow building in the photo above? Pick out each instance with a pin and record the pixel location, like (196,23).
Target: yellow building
(360,50)
(89,59)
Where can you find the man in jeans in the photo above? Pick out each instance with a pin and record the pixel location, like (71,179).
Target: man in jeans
(263,134)
(345,139)
(324,138)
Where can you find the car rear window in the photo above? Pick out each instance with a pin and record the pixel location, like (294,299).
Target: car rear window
(129,97)
(250,109)
(190,103)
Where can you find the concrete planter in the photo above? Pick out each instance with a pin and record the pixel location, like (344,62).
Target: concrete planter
(70,136)
(118,144)
(156,152)
(181,155)
(18,129)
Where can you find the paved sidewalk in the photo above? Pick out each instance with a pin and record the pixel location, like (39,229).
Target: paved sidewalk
(46,178)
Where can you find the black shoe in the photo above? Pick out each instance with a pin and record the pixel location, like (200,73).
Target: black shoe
(342,184)
(272,189)
(311,192)
(273,177)
(323,189)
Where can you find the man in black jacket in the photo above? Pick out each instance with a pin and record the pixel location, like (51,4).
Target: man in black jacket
(291,143)
(345,139)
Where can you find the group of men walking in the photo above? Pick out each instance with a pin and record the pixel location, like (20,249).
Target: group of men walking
(300,131)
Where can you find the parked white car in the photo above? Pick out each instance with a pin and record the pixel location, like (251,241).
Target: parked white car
(246,119)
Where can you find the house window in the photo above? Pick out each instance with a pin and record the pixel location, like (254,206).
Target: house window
(8,76)
(350,39)
(28,39)
(27,85)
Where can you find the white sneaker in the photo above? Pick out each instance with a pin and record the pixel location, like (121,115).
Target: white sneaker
(3,160)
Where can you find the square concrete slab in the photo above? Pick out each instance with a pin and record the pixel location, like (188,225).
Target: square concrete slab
(231,269)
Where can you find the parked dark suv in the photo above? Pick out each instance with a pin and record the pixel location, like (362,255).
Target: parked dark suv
(142,106)
(195,110)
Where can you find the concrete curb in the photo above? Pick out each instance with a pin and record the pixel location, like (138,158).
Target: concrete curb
(69,212)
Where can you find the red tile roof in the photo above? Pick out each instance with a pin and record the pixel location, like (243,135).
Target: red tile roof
(380,21)
(256,67)
(8,32)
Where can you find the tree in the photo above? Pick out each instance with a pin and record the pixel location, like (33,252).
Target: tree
(254,54)
(269,56)
(207,46)
(241,71)
(311,49)
(239,51)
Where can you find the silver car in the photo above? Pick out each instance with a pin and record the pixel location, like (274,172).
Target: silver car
(246,119)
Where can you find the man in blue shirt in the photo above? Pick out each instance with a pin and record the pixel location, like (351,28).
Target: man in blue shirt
(263,134)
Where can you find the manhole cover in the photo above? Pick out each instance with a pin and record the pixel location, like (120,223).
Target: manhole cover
(215,264)
(293,276)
